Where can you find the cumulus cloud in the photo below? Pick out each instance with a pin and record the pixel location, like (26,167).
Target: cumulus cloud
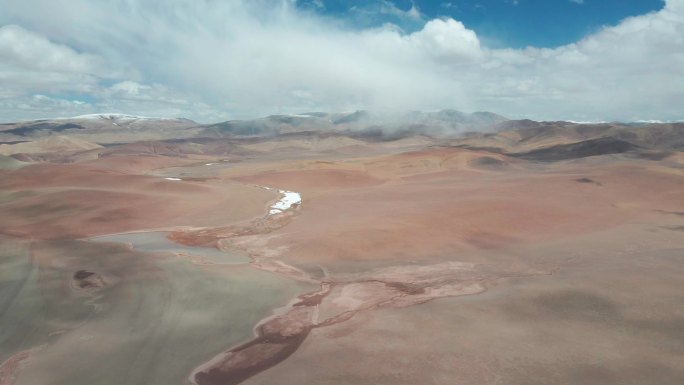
(211,60)
(22,48)
(447,39)
(30,62)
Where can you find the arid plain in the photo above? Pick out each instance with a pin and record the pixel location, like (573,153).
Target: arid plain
(519,253)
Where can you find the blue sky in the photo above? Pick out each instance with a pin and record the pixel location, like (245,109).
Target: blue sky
(499,23)
(214,60)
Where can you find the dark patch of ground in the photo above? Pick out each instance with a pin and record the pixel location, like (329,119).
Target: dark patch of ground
(31,128)
(593,147)
(588,180)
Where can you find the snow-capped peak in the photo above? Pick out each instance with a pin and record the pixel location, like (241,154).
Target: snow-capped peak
(111,116)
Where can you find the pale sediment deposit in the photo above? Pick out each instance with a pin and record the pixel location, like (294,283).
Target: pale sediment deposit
(287,200)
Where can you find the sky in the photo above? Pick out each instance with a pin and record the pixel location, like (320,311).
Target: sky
(213,60)
(500,23)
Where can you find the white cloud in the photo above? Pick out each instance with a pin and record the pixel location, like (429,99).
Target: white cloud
(30,51)
(388,8)
(212,60)
(447,39)
(39,105)
(30,62)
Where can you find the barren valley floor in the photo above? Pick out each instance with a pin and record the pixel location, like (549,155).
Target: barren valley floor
(408,261)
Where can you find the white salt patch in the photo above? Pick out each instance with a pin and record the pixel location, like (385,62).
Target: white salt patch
(173,178)
(287,200)
(209,164)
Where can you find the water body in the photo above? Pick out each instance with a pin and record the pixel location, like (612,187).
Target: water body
(157,242)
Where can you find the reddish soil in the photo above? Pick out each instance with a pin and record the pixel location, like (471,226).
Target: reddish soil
(387,234)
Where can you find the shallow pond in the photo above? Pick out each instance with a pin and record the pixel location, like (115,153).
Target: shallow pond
(157,242)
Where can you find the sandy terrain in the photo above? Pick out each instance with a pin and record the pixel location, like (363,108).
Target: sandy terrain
(51,144)
(89,199)
(606,316)
(408,261)
(358,238)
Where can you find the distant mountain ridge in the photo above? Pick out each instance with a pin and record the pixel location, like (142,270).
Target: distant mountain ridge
(440,123)
(524,138)
(101,128)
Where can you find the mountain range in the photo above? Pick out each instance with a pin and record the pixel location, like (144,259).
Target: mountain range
(528,139)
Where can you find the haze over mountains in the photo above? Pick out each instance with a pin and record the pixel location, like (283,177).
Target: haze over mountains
(445,122)
(480,130)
